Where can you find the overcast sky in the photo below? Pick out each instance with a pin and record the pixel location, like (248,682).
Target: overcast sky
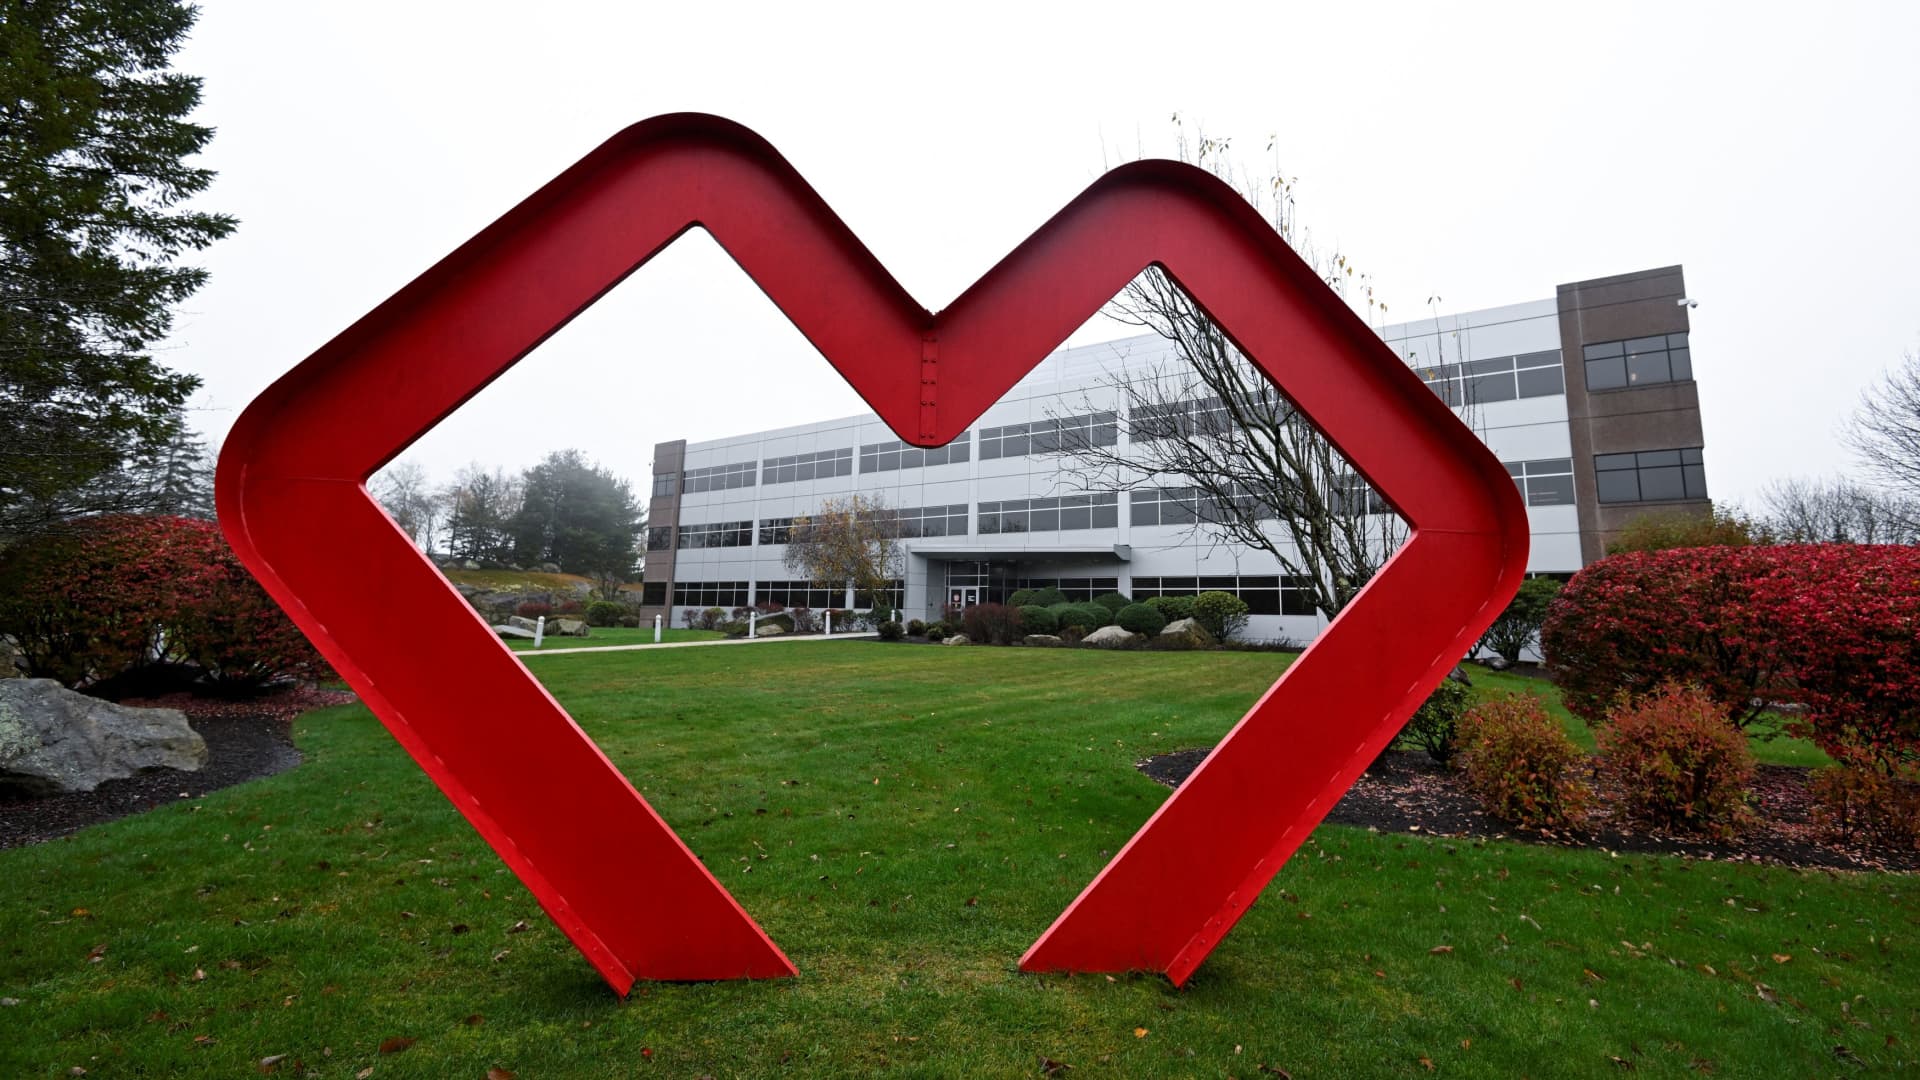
(1479,154)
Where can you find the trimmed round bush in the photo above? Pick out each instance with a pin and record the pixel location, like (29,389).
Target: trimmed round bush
(1047,597)
(1035,619)
(1112,601)
(1680,764)
(1172,608)
(604,613)
(1519,763)
(1021,598)
(1087,617)
(916,628)
(891,631)
(1140,619)
(938,632)
(1434,727)
(1222,613)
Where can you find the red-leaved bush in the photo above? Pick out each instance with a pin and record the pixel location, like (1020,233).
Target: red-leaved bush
(1679,765)
(1855,800)
(103,597)
(991,624)
(1520,764)
(1832,627)
(1630,623)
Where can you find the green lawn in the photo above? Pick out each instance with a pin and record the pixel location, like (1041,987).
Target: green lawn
(323,911)
(616,635)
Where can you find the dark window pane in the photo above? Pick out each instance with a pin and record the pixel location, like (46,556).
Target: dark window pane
(1550,491)
(1145,513)
(1217,584)
(1690,457)
(1662,483)
(1490,388)
(1676,341)
(1647,344)
(1488,367)
(1610,374)
(1696,478)
(1045,521)
(1644,369)
(1611,348)
(1549,466)
(1682,364)
(1078,517)
(1261,601)
(1177,585)
(1106,517)
(1617,487)
(1176,513)
(1542,382)
(1658,457)
(1549,358)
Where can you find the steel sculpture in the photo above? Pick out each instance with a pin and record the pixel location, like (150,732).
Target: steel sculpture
(628,893)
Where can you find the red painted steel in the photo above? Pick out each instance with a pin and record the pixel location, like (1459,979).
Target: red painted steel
(293,500)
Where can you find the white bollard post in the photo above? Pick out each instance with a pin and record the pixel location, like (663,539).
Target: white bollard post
(656,629)
(753,625)
(539,630)
(829,632)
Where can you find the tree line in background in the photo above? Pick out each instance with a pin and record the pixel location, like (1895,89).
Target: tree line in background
(565,511)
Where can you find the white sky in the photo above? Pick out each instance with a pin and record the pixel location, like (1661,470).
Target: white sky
(1481,154)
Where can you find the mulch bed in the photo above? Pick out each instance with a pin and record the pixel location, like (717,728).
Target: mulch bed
(246,740)
(1412,793)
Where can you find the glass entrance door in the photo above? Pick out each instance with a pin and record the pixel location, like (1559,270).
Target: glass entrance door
(963,596)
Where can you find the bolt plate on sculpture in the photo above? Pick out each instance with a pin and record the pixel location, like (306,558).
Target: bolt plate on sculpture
(629,894)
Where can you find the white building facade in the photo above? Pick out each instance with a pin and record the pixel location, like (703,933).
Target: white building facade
(1587,397)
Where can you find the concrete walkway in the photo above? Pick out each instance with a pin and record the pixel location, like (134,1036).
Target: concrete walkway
(693,644)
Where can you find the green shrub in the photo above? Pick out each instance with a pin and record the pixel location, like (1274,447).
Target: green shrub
(938,631)
(1035,619)
(1021,598)
(1047,597)
(1087,617)
(1222,613)
(1173,608)
(879,614)
(604,613)
(1520,764)
(1140,619)
(1434,726)
(1519,625)
(1112,601)
(1679,762)
(916,628)
(733,628)
(891,631)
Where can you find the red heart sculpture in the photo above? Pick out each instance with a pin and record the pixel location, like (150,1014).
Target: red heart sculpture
(293,501)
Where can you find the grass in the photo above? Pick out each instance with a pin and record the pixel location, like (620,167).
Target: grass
(617,635)
(904,821)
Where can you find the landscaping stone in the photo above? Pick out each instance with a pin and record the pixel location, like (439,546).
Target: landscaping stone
(568,627)
(1043,640)
(54,740)
(955,639)
(769,629)
(516,632)
(1109,637)
(1188,631)
(1459,675)
(1497,663)
(524,623)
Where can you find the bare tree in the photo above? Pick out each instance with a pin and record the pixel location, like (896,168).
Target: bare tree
(855,540)
(1839,511)
(1885,430)
(1229,455)
(416,507)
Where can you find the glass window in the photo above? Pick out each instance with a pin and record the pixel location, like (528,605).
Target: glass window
(720,477)
(653,593)
(660,538)
(1484,388)
(1650,476)
(1607,374)
(896,455)
(717,534)
(1542,382)
(1636,362)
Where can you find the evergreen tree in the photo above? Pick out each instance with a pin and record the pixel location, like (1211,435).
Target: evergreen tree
(577,515)
(93,144)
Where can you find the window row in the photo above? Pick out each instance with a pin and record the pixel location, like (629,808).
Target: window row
(665,484)
(804,594)
(818,465)
(718,534)
(1065,513)
(1268,595)
(919,521)
(896,455)
(1544,483)
(1075,589)
(1636,362)
(1504,378)
(1650,476)
(1184,419)
(706,594)
(719,477)
(1068,433)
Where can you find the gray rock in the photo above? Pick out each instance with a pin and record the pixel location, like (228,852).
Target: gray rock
(469,565)
(1108,637)
(1498,663)
(1188,631)
(507,631)
(955,639)
(568,627)
(55,740)
(524,623)
(1459,675)
(549,568)
(769,629)
(1041,640)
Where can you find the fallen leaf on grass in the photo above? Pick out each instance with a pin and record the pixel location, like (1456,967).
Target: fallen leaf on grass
(199,975)
(472,1021)
(1426,1063)
(1781,958)
(271,1063)
(1440,950)
(520,927)
(1050,1067)
(1139,1033)
(499,1074)
(395,1044)
(1274,1070)
(1620,1062)
(363,1073)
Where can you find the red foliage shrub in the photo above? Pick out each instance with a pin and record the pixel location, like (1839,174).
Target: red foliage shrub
(101,597)
(1630,623)
(1867,801)
(1846,620)
(1679,764)
(1520,764)
(991,624)
(533,609)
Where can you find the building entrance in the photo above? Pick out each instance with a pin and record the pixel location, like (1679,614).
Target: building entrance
(963,597)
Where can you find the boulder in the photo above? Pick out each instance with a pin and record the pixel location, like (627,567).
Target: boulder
(1041,640)
(1109,637)
(524,623)
(769,629)
(469,565)
(1459,675)
(955,639)
(1187,631)
(1497,663)
(54,740)
(568,628)
(549,568)
(516,632)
